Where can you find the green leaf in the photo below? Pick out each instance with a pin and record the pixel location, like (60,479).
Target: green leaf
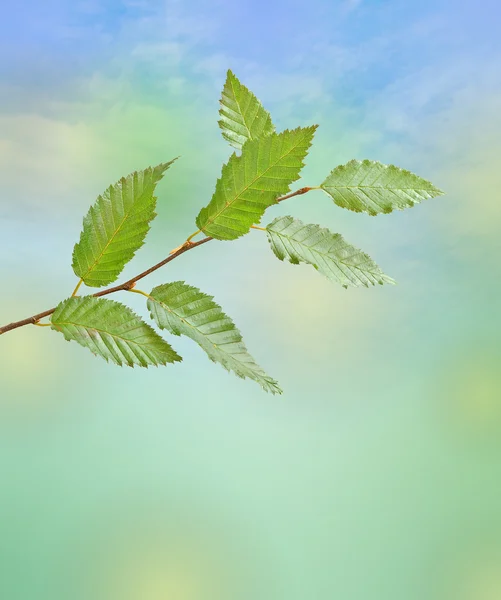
(371,187)
(116,225)
(113,331)
(328,252)
(251,182)
(242,115)
(185,310)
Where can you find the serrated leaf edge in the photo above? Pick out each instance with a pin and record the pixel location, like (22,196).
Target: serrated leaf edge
(436,191)
(271,384)
(381,278)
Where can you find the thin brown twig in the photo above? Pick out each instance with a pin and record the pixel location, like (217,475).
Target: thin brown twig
(299,192)
(128,285)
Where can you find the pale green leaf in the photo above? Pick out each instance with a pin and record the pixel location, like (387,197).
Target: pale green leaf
(113,331)
(328,252)
(116,225)
(185,310)
(242,115)
(371,187)
(250,183)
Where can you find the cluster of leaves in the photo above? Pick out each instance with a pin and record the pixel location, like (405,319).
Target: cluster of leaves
(262,168)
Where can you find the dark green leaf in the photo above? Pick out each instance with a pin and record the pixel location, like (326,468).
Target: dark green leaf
(115,226)
(111,330)
(250,183)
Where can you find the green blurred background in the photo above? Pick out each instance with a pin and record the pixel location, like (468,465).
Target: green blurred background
(377,473)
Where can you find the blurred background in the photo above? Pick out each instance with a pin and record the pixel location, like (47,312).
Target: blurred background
(377,473)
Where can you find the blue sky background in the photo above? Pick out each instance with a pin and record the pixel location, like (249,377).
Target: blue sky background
(377,473)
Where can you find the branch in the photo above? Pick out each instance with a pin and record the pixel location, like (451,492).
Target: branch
(299,192)
(128,285)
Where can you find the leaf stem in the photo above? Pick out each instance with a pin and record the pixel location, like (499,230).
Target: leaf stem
(43,324)
(77,288)
(188,239)
(128,285)
(139,292)
(186,243)
(260,228)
